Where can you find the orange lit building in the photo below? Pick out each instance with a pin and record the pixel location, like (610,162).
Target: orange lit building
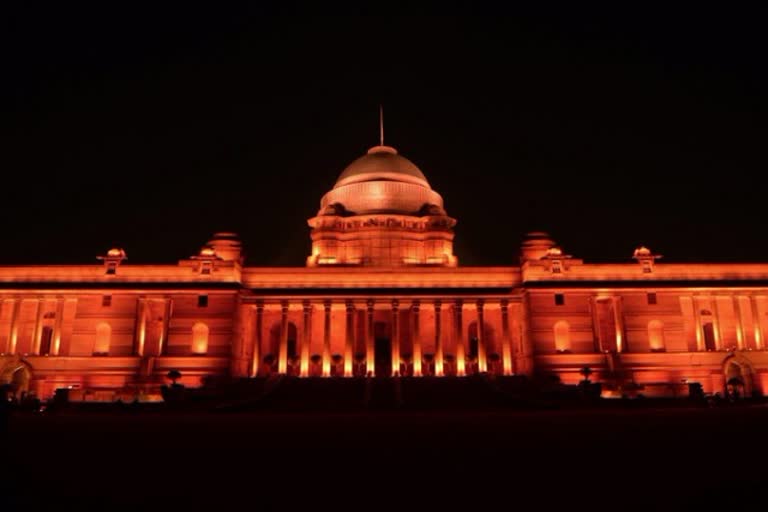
(383,293)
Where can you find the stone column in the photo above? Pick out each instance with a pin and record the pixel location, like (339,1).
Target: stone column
(257,339)
(506,348)
(4,349)
(438,340)
(415,332)
(13,333)
(525,337)
(56,338)
(282,359)
(740,341)
(482,362)
(597,339)
(618,323)
(370,356)
(327,339)
(163,338)
(241,328)
(716,323)
(305,331)
(697,320)
(756,323)
(349,342)
(395,337)
(140,329)
(458,335)
(38,331)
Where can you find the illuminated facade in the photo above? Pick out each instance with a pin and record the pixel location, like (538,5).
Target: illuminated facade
(382,294)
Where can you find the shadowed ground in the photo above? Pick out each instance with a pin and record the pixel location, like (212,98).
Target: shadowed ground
(653,459)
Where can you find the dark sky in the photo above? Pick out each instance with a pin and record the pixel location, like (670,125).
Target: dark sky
(152,127)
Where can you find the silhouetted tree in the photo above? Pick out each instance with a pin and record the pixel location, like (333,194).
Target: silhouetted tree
(173,376)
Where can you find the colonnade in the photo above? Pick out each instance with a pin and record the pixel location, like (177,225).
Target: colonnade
(406,319)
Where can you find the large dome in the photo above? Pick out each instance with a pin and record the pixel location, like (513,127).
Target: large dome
(381,182)
(382,163)
(382,212)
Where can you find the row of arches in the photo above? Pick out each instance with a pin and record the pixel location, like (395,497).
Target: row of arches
(103,340)
(563,342)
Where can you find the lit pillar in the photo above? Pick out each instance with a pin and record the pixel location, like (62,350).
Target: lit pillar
(4,348)
(716,323)
(506,348)
(326,339)
(526,339)
(618,324)
(395,337)
(240,341)
(13,335)
(370,357)
(38,331)
(140,331)
(415,331)
(438,340)
(482,363)
(162,340)
(740,341)
(756,323)
(282,358)
(56,341)
(597,341)
(458,335)
(255,362)
(305,330)
(697,321)
(349,342)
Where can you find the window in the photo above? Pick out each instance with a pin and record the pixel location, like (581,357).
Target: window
(103,335)
(559,299)
(474,347)
(562,337)
(106,301)
(292,352)
(202,301)
(710,342)
(45,341)
(111,268)
(556,267)
(656,336)
(651,298)
(200,338)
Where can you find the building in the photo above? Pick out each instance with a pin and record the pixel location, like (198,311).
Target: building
(382,293)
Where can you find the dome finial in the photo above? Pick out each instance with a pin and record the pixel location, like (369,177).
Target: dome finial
(381,124)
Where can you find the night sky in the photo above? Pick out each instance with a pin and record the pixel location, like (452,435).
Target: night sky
(151,128)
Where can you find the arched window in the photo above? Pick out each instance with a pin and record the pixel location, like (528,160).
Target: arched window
(562,337)
(293,352)
(199,338)
(45,340)
(103,335)
(709,336)
(656,336)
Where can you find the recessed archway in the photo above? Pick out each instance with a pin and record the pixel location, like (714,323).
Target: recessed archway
(738,376)
(17,374)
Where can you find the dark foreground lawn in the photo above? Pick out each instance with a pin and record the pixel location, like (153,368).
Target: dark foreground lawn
(643,459)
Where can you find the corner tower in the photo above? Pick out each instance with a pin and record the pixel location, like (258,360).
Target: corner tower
(382,212)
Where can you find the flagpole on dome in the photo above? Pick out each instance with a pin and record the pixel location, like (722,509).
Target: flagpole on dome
(381,148)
